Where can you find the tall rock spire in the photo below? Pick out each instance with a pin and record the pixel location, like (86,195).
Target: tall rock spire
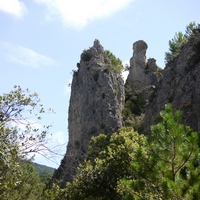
(143,79)
(142,73)
(96,103)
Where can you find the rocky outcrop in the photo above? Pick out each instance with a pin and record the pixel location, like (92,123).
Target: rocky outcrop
(97,96)
(180,86)
(96,103)
(143,78)
(142,73)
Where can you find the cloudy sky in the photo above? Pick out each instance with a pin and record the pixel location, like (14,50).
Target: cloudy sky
(41,42)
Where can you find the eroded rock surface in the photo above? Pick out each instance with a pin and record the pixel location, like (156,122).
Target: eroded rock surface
(142,73)
(180,86)
(96,103)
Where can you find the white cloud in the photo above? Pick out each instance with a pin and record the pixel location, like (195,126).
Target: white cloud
(59,138)
(13,7)
(25,56)
(77,13)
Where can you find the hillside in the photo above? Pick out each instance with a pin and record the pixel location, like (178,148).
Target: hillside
(41,169)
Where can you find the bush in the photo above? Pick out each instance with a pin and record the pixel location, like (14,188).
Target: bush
(116,63)
(86,55)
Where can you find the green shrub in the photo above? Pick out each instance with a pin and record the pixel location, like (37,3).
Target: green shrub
(86,55)
(116,64)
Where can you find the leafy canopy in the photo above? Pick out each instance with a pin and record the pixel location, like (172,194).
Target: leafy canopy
(108,161)
(168,166)
(130,166)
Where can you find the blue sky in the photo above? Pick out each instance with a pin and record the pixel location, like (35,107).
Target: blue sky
(41,42)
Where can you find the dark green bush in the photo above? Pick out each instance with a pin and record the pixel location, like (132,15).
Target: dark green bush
(86,55)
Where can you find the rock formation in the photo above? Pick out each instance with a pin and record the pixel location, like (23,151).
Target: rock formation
(142,80)
(142,73)
(180,86)
(96,103)
(97,96)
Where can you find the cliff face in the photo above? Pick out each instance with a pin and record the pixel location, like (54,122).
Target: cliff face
(96,103)
(97,96)
(180,86)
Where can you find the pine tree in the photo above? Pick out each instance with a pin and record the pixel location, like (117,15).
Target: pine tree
(168,168)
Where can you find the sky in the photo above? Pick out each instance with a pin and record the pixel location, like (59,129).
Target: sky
(41,42)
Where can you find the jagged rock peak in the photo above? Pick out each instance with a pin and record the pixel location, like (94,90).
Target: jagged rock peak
(96,103)
(94,56)
(98,46)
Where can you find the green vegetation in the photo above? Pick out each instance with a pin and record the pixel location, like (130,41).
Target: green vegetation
(167,167)
(127,165)
(108,161)
(19,137)
(24,185)
(124,165)
(43,169)
(179,40)
(133,112)
(86,55)
(116,63)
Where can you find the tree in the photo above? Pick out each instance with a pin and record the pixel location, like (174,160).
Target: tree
(28,187)
(179,40)
(19,136)
(168,167)
(109,160)
(127,165)
(116,63)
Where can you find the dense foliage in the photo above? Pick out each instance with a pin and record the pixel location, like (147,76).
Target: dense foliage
(167,167)
(108,161)
(19,139)
(41,169)
(127,165)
